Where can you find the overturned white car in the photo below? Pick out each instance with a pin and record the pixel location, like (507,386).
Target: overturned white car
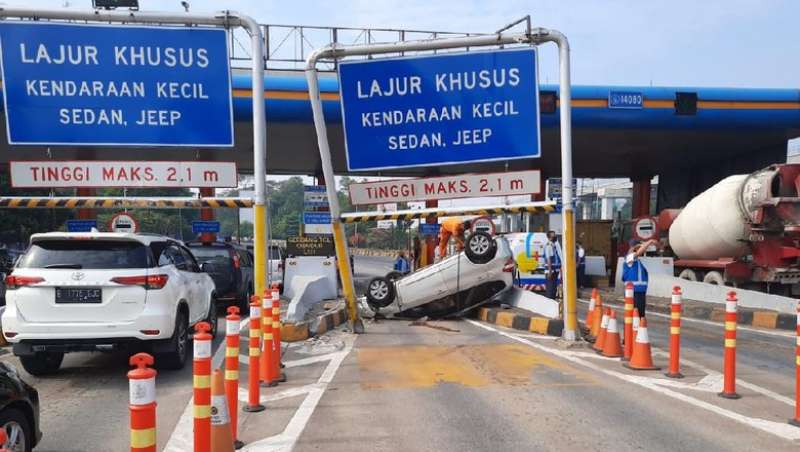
(456,284)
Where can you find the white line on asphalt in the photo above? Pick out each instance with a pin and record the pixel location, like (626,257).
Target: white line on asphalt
(285,394)
(717,324)
(286,440)
(182,436)
(782,430)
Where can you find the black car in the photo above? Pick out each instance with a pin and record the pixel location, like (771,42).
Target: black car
(19,411)
(231,268)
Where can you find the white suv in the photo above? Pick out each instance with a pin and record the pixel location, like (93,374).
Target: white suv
(102,291)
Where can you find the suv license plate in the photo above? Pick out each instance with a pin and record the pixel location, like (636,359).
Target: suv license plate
(78,295)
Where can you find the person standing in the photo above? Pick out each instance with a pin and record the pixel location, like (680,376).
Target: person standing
(581,254)
(552,258)
(634,271)
(401,263)
(416,252)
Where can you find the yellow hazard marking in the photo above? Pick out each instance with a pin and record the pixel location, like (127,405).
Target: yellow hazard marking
(765,319)
(798,361)
(231,374)
(231,352)
(469,365)
(202,411)
(143,438)
(255,351)
(675,315)
(730,342)
(629,320)
(276,311)
(255,333)
(202,381)
(674,330)
(730,326)
(505,319)
(539,325)
(276,325)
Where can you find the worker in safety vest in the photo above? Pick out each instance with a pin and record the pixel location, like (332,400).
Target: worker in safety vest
(552,260)
(634,271)
(452,227)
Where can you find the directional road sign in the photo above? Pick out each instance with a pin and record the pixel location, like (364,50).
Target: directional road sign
(81,225)
(438,110)
(199,227)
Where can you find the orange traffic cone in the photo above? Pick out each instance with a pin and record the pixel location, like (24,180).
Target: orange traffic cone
(221,430)
(601,336)
(611,345)
(590,312)
(598,316)
(636,320)
(641,359)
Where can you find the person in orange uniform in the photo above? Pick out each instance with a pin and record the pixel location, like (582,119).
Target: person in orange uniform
(451,227)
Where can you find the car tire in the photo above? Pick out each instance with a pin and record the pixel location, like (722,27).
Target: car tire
(42,363)
(178,354)
(480,248)
(394,275)
(18,430)
(380,292)
(212,317)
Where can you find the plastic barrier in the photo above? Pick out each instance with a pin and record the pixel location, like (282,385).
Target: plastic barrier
(642,358)
(201,369)
(232,344)
(276,334)
(729,371)
(266,371)
(628,332)
(254,353)
(142,382)
(675,334)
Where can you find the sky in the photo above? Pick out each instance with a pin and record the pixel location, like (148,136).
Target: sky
(728,43)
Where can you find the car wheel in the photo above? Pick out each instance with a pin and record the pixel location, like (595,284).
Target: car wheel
(394,275)
(18,431)
(42,363)
(178,352)
(212,316)
(380,292)
(481,248)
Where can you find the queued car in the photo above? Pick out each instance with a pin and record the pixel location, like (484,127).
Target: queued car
(457,283)
(230,267)
(19,411)
(101,291)
(277,261)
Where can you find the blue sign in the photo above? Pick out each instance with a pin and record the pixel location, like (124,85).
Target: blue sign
(81,225)
(429,229)
(625,99)
(78,84)
(440,110)
(199,227)
(316,218)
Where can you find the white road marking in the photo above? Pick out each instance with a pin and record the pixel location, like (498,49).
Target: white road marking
(716,324)
(286,440)
(782,430)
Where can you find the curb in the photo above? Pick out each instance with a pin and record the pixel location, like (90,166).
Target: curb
(300,331)
(521,320)
(747,317)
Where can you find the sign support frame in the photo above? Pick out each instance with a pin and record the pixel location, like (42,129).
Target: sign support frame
(533,36)
(226,19)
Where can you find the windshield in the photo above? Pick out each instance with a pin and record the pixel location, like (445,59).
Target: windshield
(85,254)
(274,253)
(210,254)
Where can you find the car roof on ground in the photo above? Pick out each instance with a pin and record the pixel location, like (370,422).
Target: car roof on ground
(145,239)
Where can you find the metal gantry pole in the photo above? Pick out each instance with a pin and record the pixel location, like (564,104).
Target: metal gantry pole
(532,36)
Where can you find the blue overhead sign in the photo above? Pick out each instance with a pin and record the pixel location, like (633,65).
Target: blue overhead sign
(429,229)
(79,84)
(625,99)
(81,225)
(199,227)
(316,218)
(440,110)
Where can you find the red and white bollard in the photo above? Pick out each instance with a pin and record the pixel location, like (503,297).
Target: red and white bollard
(729,371)
(142,382)
(276,334)
(232,343)
(796,420)
(266,371)
(3,441)
(201,369)
(254,353)
(627,350)
(675,334)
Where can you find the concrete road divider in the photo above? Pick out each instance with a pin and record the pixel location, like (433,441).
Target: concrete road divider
(796,420)
(675,335)
(221,432)
(232,344)
(254,354)
(201,371)
(520,319)
(729,370)
(642,357)
(142,381)
(611,346)
(628,332)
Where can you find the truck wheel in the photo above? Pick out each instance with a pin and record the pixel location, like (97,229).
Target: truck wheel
(714,277)
(688,274)
(481,248)
(42,363)
(380,293)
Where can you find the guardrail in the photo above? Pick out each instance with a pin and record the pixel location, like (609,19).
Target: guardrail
(414,214)
(46,202)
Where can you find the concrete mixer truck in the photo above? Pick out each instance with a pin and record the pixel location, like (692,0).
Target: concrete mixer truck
(744,231)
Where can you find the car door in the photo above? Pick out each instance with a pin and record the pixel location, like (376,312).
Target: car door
(186,284)
(203,283)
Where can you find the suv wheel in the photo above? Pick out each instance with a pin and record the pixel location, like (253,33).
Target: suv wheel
(380,293)
(178,346)
(212,316)
(18,432)
(481,248)
(42,363)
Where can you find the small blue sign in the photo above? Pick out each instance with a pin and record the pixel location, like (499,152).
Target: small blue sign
(316,218)
(79,84)
(440,110)
(625,99)
(81,225)
(429,229)
(199,227)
